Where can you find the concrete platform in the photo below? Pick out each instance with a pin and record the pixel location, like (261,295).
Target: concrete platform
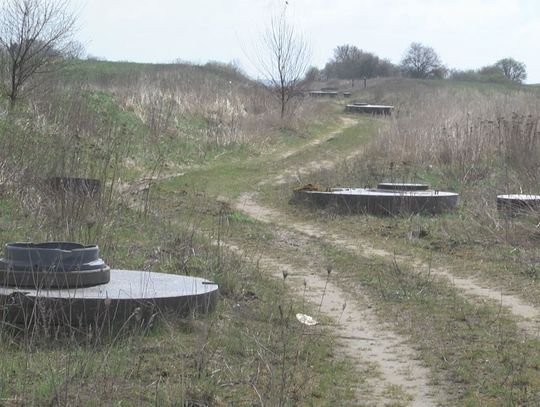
(402,186)
(515,204)
(380,202)
(369,109)
(323,93)
(128,294)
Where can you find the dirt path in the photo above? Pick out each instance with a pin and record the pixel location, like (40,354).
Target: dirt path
(346,122)
(364,338)
(528,316)
(362,334)
(305,169)
(398,376)
(401,379)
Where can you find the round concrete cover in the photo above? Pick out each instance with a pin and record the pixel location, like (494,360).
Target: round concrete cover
(129,285)
(377,201)
(402,186)
(515,204)
(389,193)
(126,291)
(520,197)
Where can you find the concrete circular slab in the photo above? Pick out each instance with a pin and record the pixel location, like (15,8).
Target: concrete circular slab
(514,204)
(128,293)
(402,186)
(380,202)
(52,265)
(369,108)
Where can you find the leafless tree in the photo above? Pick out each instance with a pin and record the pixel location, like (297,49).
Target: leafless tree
(422,62)
(350,62)
(512,70)
(36,36)
(283,58)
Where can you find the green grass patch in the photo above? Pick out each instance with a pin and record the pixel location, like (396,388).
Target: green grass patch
(245,352)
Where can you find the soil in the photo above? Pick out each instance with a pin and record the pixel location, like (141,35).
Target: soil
(396,375)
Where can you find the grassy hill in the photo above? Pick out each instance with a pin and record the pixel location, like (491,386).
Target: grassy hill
(174,144)
(128,125)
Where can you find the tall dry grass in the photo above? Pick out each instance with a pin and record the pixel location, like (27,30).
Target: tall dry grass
(479,141)
(98,128)
(214,105)
(467,129)
(121,122)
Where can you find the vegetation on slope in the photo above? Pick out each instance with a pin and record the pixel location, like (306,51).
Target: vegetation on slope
(479,140)
(125,122)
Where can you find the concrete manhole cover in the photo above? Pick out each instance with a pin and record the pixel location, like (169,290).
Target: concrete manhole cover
(61,281)
(389,198)
(514,204)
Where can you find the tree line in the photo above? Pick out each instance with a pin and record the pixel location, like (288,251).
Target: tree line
(419,61)
(37,37)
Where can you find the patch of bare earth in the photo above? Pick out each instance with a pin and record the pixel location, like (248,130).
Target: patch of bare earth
(527,315)
(397,377)
(363,336)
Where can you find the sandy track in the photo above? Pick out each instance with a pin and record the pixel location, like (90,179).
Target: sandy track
(368,337)
(362,337)
(297,172)
(528,316)
(346,122)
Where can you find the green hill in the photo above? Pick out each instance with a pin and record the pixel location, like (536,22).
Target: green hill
(182,149)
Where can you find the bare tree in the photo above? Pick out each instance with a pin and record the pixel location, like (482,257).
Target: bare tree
(422,62)
(512,70)
(35,37)
(350,62)
(283,58)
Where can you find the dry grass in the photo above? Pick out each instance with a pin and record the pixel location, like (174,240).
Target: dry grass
(464,129)
(478,140)
(116,126)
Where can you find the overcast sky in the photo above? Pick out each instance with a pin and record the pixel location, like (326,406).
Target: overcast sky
(465,33)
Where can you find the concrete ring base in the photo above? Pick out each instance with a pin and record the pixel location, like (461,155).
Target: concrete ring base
(52,265)
(51,279)
(515,204)
(378,202)
(128,294)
